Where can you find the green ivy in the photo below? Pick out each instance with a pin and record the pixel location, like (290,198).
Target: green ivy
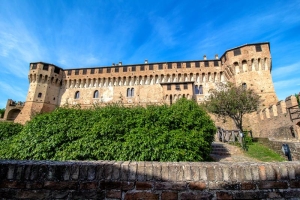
(180,132)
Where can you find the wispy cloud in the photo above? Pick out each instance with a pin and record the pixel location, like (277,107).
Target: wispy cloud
(282,72)
(13,90)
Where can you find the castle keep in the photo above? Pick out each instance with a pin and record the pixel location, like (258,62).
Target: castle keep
(163,82)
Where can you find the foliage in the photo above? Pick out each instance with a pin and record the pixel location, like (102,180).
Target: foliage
(180,132)
(263,153)
(2,111)
(7,132)
(298,99)
(232,101)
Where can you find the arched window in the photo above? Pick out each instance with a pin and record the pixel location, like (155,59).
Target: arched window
(196,89)
(77,94)
(132,92)
(39,95)
(128,92)
(244,86)
(200,89)
(96,94)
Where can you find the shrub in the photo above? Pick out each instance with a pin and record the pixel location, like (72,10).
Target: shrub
(180,132)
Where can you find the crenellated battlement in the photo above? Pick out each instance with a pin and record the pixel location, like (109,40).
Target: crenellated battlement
(279,121)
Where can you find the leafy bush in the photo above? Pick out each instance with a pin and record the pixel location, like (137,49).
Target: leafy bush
(9,129)
(180,132)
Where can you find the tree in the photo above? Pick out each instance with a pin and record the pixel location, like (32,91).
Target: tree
(232,101)
(2,111)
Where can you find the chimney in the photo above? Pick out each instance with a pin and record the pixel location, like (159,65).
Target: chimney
(216,56)
(113,64)
(146,61)
(120,63)
(204,57)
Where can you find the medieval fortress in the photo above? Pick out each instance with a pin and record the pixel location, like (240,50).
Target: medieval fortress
(162,82)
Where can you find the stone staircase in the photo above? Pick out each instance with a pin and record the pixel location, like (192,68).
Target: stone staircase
(223,152)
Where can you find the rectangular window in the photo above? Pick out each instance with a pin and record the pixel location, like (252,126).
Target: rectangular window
(45,67)
(188,65)
(168,87)
(185,86)
(177,87)
(169,65)
(142,68)
(100,70)
(69,72)
(108,70)
(178,65)
(124,69)
(216,63)
(76,71)
(34,66)
(84,71)
(133,68)
(117,69)
(197,64)
(237,52)
(258,48)
(160,66)
(92,71)
(150,67)
(56,70)
(206,64)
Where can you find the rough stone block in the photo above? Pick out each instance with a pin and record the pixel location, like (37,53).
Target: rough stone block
(272,185)
(170,186)
(132,171)
(33,194)
(114,194)
(127,185)
(92,185)
(12,184)
(61,185)
(224,195)
(248,186)
(196,195)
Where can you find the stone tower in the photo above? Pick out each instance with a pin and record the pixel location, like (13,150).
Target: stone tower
(45,81)
(250,65)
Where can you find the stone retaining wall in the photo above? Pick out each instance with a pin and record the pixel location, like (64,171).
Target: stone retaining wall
(277,145)
(148,180)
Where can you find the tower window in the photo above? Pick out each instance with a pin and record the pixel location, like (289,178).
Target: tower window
(178,65)
(237,52)
(188,65)
(92,71)
(216,63)
(150,67)
(45,67)
(200,89)
(169,65)
(69,72)
(177,87)
(258,48)
(56,70)
(130,92)
(206,64)
(96,94)
(168,87)
(108,70)
(117,69)
(76,72)
(77,95)
(197,64)
(39,95)
(244,86)
(160,66)
(185,86)
(133,68)
(100,70)
(142,68)
(84,71)
(34,66)
(124,69)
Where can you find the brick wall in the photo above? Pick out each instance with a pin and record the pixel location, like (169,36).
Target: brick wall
(148,180)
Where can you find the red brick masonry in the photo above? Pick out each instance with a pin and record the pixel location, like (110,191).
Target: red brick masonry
(148,180)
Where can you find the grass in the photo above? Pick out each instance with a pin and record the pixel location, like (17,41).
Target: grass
(263,153)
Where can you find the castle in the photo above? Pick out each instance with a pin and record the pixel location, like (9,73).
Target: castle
(163,82)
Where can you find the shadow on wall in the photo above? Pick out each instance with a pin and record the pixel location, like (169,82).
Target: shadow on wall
(148,180)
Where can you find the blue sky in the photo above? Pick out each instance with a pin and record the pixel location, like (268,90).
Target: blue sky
(80,33)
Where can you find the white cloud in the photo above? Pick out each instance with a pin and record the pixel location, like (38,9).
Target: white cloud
(286,71)
(13,90)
